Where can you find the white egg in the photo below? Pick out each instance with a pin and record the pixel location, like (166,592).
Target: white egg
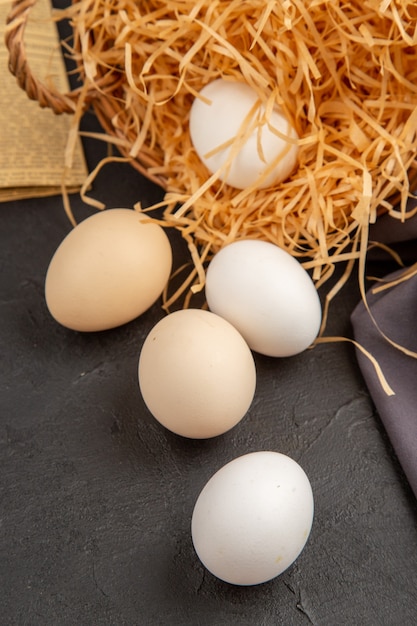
(266,294)
(253,518)
(218,119)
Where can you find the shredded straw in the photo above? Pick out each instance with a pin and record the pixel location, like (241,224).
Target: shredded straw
(345,74)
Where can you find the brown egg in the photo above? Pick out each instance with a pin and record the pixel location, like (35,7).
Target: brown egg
(108,270)
(197,375)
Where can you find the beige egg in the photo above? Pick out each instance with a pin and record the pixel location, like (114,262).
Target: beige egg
(196,374)
(108,270)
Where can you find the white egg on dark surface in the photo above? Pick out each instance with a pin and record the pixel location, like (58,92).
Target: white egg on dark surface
(253,518)
(196,374)
(108,270)
(266,294)
(269,149)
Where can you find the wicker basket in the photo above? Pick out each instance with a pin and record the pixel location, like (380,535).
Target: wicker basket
(102,97)
(104,108)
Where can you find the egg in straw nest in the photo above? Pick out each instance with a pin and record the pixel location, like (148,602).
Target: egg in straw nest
(343,73)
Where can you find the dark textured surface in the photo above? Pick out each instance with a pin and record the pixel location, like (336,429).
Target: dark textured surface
(96,497)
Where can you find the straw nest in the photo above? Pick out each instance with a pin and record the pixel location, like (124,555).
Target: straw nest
(345,73)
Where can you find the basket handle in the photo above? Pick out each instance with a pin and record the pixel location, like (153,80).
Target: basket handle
(20,68)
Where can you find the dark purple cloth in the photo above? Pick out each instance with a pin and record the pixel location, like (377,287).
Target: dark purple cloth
(395,311)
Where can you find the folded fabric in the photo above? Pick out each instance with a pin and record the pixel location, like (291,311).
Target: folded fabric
(395,312)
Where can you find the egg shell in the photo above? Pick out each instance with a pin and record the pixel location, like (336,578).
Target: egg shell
(218,121)
(253,518)
(196,374)
(266,294)
(107,271)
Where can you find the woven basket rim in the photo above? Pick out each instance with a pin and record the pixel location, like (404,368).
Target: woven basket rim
(86,96)
(69,102)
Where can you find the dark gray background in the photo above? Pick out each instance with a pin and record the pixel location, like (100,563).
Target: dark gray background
(96,497)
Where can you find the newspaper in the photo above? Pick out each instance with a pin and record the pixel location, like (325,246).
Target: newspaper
(33,140)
